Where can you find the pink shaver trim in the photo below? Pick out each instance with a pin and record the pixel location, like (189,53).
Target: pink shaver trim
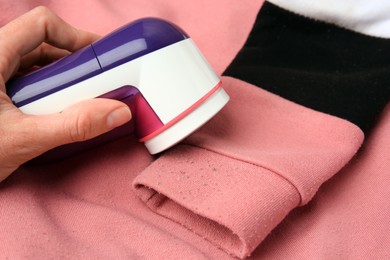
(183,114)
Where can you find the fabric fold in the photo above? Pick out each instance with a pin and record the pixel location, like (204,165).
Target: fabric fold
(196,191)
(237,177)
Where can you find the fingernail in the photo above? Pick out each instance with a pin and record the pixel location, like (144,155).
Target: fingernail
(118,117)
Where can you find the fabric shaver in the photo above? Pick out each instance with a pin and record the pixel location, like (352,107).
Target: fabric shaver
(150,64)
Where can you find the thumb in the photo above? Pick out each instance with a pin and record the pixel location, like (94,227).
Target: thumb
(24,137)
(82,121)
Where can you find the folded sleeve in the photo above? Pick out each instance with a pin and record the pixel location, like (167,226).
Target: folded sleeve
(237,177)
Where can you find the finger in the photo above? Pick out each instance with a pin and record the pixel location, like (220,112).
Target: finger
(41,25)
(41,56)
(30,30)
(28,136)
(80,122)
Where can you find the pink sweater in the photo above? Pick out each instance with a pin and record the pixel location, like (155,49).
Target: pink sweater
(266,178)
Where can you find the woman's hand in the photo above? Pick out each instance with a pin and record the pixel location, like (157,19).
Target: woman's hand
(35,38)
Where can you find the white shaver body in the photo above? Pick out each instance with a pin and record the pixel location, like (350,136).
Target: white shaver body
(179,90)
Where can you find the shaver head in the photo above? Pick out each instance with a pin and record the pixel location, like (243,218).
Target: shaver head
(150,64)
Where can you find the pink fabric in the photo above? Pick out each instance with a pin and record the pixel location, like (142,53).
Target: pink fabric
(349,216)
(243,184)
(244,171)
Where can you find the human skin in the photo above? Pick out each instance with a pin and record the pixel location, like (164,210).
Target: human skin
(34,39)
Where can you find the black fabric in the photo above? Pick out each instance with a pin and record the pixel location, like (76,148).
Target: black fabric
(315,64)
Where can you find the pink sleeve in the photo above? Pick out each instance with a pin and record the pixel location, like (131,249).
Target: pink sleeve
(235,179)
